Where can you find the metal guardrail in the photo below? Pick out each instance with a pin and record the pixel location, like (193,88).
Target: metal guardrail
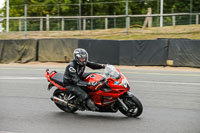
(47,18)
(106,16)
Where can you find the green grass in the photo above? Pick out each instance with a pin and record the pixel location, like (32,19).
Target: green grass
(184,31)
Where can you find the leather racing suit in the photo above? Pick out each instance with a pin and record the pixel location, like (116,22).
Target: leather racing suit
(73,78)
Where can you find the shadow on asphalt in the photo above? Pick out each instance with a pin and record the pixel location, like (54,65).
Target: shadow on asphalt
(94,115)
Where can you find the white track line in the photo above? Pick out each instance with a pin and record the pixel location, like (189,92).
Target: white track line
(134,81)
(165,82)
(20,78)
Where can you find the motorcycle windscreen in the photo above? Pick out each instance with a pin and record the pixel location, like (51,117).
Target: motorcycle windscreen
(111,71)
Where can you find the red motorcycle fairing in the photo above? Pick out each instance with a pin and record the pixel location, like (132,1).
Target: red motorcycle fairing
(107,91)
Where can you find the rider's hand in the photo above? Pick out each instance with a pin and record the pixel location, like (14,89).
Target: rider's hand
(93,83)
(103,66)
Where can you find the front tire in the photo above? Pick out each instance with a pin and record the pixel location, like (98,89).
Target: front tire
(134,105)
(61,94)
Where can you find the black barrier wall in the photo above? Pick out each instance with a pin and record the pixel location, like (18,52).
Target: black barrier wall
(101,51)
(21,51)
(132,52)
(143,52)
(179,52)
(184,52)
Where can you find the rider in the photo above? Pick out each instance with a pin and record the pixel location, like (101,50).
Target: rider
(73,77)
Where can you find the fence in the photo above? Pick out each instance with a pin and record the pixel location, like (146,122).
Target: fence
(66,23)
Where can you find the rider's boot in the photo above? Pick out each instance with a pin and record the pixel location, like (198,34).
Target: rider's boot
(87,104)
(82,105)
(90,104)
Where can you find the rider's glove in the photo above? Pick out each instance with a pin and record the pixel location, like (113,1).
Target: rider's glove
(93,83)
(103,66)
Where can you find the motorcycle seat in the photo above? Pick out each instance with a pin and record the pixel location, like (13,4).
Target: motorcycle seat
(58,78)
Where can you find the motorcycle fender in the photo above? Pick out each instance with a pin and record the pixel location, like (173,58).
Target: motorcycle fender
(128,94)
(50,86)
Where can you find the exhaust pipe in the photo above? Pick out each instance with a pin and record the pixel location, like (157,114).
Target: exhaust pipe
(61,101)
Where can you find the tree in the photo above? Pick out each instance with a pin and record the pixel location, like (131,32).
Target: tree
(96,7)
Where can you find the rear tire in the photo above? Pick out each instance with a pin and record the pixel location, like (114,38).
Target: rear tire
(61,94)
(134,105)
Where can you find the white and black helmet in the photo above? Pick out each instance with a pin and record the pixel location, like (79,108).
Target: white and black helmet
(80,56)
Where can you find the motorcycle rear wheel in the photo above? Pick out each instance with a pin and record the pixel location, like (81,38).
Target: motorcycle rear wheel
(134,105)
(60,94)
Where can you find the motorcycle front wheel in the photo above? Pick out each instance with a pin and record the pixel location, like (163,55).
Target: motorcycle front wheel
(62,95)
(134,105)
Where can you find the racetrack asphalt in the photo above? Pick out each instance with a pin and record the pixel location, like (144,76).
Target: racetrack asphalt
(171,101)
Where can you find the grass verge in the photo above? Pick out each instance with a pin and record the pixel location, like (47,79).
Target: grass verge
(184,31)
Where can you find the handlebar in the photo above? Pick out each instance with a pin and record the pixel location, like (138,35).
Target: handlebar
(100,83)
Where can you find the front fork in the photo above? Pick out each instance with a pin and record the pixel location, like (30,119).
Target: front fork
(123,104)
(127,94)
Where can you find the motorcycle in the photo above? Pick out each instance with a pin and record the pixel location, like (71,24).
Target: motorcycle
(110,95)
